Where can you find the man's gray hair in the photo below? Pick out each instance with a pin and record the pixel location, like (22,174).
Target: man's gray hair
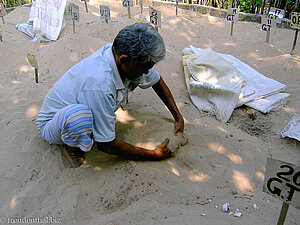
(141,42)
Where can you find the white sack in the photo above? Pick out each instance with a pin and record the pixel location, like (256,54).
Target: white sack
(292,130)
(271,103)
(216,96)
(26,29)
(47,17)
(214,84)
(257,85)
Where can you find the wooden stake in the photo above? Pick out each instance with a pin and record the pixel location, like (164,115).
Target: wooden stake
(3,12)
(284,210)
(86,7)
(1,34)
(268,37)
(141,3)
(231,32)
(176,7)
(73,26)
(36,75)
(129,13)
(295,42)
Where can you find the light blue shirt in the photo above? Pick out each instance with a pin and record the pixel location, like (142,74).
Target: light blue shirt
(95,81)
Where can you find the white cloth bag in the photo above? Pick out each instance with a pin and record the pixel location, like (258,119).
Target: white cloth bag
(47,17)
(218,83)
(214,84)
(292,130)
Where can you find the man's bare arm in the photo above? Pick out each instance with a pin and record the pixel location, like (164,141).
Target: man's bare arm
(117,147)
(165,95)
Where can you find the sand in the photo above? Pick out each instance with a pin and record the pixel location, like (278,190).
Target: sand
(221,163)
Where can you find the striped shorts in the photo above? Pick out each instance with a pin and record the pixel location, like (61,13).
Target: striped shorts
(72,125)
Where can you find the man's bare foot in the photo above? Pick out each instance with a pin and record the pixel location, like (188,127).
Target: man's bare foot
(75,156)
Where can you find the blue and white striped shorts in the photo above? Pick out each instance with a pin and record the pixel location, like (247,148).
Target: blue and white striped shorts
(73,126)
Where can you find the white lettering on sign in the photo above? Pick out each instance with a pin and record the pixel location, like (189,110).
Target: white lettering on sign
(32,60)
(282,180)
(127,3)
(295,20)
(142,19)
(73,11)
(104,12)
(233,14)
(155,17)
(233,11)
(267,23)
(275,13)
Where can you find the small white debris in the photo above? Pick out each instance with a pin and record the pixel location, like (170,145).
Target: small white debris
(209,200)
(216,206)
(237,213)
(256,50)
(203,214)
(226,207)
(231,213)
(255,206)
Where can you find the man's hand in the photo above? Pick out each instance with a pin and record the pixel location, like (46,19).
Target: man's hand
(179,125)
(162,151)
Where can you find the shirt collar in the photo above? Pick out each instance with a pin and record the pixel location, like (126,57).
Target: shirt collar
(111,60)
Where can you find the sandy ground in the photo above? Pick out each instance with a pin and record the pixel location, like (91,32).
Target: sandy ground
(222,163)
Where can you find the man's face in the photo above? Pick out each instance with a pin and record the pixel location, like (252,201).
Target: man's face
(135,70)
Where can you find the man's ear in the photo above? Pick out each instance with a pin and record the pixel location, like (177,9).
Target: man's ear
(124,59)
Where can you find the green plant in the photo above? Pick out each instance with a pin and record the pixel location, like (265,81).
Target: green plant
(248,6)
(10,3)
